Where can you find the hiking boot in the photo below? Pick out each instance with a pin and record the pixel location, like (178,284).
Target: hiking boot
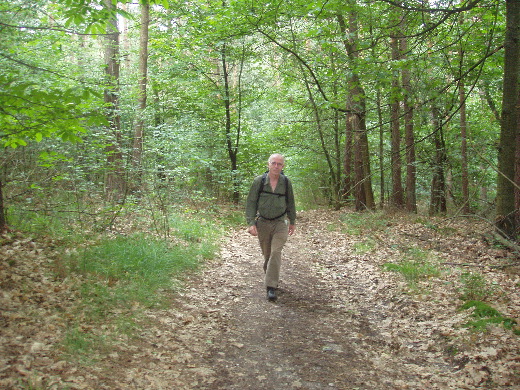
(271,294)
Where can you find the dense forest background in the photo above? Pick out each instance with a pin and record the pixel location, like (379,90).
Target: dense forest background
(108,107)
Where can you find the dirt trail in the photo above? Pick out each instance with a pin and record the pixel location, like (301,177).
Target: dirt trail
(340,322)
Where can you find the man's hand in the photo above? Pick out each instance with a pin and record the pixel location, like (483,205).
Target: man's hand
(291,229)
(252,230)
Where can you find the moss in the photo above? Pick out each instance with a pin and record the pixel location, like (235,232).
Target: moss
(486,315)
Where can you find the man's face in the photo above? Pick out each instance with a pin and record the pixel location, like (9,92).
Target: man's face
(276,165)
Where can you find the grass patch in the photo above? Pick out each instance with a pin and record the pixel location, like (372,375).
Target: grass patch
(416,265)
(55,225)
(485,315)
(413,271)
(84,344)
(126,270)
(363,247)
(359,223)
(118,277)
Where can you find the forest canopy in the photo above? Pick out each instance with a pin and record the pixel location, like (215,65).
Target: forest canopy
(106,104)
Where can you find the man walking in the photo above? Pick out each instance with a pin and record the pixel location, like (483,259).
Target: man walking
(269,205)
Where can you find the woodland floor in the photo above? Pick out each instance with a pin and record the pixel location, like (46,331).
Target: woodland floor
(341,320)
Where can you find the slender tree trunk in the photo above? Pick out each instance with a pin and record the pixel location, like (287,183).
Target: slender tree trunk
(319,127)
(463,133)
(137,151)
(359,189)
(3,220)
(115,185)
(337,150)
(486,96)
(397,198)
(464,149)
(411,200)
(438,187)
(517,170)
(367,181)
(227,109)
(347,160)
(381,151)
(231,142)
(505,209)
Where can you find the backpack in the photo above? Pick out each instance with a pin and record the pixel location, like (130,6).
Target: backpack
(261,189)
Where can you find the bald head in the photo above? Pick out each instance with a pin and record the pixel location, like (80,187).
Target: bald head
(276,156)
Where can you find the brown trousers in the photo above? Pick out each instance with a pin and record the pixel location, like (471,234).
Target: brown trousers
(272,236)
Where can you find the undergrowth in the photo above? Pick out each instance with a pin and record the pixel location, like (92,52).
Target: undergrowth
(119,277)
(416,265)
(486,315)
(474,287)
(359,223)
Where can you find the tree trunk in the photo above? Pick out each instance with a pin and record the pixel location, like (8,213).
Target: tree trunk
(505,208)
(115,185)
(359,189)
(438,187)
(411,199)
(463,132)
(333,197)
(337,151)
(356,107)
(381,151)
(463,149)
(367,181)
(397,198)
(347,160)
(517,170)
(3,220)
(137,151)
(232,148)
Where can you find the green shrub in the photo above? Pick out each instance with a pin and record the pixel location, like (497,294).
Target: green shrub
(474,287)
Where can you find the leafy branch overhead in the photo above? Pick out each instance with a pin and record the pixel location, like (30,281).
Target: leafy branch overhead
(30,112)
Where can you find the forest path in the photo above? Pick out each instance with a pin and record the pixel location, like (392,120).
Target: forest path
(340,322)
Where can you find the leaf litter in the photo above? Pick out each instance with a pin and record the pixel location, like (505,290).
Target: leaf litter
(341,321)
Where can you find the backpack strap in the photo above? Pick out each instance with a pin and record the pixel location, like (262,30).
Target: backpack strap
(261,189)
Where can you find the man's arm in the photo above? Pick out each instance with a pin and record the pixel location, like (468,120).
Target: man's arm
(291,206)
(252,202)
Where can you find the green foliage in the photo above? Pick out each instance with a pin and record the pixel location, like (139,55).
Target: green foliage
(80,343)
(485,315)
(145,263)
(474,287)
(53,224)
(417,265)
(119,276)
(365,246)
(31,112)
(361,223)
(413,271)
(52,82)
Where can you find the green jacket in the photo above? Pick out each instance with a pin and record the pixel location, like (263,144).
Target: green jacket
(267,205)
